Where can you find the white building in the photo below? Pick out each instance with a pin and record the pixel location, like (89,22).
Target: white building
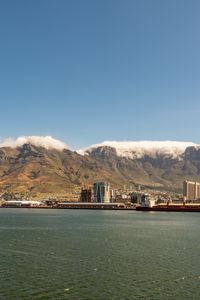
(191,190)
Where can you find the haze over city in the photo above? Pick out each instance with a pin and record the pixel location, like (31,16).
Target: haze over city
(89,71)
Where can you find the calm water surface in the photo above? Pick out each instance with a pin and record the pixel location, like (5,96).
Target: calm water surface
(83,255)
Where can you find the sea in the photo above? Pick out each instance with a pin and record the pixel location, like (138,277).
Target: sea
(98,254)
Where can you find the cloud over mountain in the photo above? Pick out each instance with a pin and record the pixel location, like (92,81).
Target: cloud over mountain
(46,142)
(137,149)
(36,164)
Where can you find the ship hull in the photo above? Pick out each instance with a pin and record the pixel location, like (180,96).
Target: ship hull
(170,208)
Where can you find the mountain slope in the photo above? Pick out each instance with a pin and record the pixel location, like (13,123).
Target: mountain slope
(32,169)
(37,165)
(161,164)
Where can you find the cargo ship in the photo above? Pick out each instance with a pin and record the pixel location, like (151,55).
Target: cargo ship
(171,208)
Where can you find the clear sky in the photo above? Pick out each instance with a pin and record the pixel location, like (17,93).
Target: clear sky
(85,71)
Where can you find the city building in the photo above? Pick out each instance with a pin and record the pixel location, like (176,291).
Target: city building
(191,190)
(86,195)
(101,192)
(143,199)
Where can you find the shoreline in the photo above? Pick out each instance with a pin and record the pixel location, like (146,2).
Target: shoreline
(80,208)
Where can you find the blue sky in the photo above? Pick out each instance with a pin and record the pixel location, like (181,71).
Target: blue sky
(85,71)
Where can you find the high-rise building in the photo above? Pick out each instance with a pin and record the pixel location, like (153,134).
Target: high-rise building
(191,190)
(86,195)
(101,191)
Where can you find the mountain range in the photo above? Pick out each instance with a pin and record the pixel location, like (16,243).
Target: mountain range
(42,165)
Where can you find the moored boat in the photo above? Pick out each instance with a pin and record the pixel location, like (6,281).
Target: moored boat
(171,208)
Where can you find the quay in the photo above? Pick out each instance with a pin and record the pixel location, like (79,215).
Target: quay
(66,205)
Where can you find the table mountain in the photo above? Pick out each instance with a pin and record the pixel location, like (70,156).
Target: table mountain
(37,165)
(162,165)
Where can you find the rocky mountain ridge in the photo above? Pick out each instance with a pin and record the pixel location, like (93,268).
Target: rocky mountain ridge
(138,149)
(160,170)
(37,166)
(31,169)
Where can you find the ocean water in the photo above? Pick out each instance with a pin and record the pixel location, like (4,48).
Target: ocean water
(89,254)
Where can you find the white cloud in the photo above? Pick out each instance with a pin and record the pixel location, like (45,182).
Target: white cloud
(41,141)
(138,149)
(130,149)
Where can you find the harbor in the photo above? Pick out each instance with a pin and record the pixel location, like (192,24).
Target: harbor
(102,197)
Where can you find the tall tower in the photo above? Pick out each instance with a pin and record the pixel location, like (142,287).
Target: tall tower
(191,190)
(101,192)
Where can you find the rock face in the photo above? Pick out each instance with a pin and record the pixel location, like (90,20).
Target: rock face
(161,169)
(32,169)
(36,169)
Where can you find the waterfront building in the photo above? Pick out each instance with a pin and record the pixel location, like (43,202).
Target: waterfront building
(22,203)
(112,195)
(191,190)
(143,199)
(101,192)
(86,195)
